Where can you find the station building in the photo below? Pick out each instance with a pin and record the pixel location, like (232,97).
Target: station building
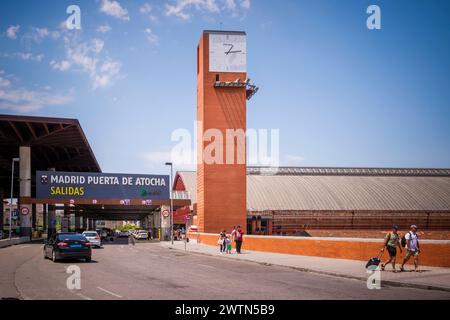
(292,200)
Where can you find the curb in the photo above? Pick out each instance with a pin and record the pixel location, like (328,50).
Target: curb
(333,274)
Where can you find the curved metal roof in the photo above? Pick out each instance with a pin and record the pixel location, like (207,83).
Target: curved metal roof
(348,193)
(343,189)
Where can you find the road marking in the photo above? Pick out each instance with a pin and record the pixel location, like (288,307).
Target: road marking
(206,266)
(109,292)
(83,296)
(26,246)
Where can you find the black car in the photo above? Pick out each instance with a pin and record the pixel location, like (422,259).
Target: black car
(68,246)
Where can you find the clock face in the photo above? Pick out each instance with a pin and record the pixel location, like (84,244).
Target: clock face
(227,53)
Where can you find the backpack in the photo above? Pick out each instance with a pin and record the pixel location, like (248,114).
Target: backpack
(403,241)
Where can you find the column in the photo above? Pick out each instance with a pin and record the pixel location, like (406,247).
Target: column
(51,216)
(77,223)
(85,225)
(2,197)
(165,223)
(65,221)
(25,191)
(44,217)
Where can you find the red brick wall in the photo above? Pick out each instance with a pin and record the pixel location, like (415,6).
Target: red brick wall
(432,254)
(221,188)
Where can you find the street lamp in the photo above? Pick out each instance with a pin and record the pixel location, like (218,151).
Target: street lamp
(171,201)
(11,199)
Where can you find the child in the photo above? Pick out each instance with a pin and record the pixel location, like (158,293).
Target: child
(228,243)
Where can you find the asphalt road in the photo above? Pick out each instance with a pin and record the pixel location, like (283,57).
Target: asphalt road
(150,271)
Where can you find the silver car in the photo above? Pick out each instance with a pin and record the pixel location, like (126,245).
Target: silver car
(93,238)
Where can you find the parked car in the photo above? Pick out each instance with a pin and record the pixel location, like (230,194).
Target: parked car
(123,233)
(93,238)
(68,246)
(141,234)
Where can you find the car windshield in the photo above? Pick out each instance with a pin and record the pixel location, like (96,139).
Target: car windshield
(63,237)
(89,234)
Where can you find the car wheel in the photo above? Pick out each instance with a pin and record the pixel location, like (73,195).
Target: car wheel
(88,259)
(54,256)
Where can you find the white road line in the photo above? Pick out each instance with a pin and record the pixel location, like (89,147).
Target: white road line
(83,296)
(26,246)
(109,292)
(206,266)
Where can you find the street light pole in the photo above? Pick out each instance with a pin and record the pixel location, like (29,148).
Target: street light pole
(11,198)
(171,201)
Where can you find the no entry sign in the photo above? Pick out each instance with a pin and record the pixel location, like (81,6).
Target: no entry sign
(24,211)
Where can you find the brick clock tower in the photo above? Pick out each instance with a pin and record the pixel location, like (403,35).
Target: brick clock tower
(222,93)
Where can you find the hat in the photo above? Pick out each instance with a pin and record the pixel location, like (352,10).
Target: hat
(395,227)
(414,226)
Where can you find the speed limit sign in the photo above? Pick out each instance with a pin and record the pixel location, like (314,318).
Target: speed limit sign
(24,211)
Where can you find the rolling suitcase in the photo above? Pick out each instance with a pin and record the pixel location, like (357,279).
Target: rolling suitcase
(374,262)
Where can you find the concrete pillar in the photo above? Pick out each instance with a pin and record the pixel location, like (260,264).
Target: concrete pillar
(165,223)
(2,208)
(33,216)
(77,222)
(51,216)
(85,225)
(44,216)
(25,190)
(65,221)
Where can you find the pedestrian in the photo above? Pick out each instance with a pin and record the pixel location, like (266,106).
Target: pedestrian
(238,238)
(391,242)
(228,243)
(222,241)
(412,248)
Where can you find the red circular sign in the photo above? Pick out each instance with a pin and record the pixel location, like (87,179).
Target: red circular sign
(166,213)
(24,211)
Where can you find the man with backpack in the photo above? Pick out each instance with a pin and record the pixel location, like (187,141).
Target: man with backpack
(391,242)
(411,243)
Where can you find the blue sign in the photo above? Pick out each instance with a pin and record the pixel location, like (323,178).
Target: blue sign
(88,185)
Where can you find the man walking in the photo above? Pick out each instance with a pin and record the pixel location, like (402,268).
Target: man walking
(412,248)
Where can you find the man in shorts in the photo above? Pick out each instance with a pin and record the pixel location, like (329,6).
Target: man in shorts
(391,242)
(412,248)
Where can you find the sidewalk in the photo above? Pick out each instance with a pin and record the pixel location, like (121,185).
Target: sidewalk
(430,277)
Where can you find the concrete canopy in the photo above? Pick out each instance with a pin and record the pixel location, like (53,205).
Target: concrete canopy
(55,143)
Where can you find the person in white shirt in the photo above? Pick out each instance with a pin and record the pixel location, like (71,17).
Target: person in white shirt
(412,248)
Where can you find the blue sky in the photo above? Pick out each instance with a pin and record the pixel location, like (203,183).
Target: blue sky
(341,94)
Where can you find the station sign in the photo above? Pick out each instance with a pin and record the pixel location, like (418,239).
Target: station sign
(90,185)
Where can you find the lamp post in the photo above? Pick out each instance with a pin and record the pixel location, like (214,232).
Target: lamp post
(171,201)
(11,199)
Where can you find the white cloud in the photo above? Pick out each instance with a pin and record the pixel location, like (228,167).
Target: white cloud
(245,4)
(39,34)
(151,37)
(181,6)
(64,65)
(24,100)
(103,28)
(27,56)
(89,57)
(145,9)
(230,4)
(12,32)
(114,9)
(182,9)
(4,82)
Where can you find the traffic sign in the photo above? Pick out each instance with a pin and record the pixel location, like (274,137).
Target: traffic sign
(24,211)
(165,213)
